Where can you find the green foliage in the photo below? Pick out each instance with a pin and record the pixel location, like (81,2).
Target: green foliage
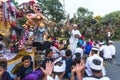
(52,9)
(112,18)
(15,3)
(22,21)
(84,16)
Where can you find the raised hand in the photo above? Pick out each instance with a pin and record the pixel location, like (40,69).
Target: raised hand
(49,68)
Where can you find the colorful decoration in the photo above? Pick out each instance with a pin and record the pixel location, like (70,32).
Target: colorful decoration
(7,17)
(36,21)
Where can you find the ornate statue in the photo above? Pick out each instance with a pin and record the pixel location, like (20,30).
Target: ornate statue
(35,20)
(4,21)
(7,17)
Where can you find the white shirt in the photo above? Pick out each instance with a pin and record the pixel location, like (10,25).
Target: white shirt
(92,78)
(106,51)
(74,32)
(112,49)
(2,43)
(109,34)
(79,50)
(54,49)
(62,53)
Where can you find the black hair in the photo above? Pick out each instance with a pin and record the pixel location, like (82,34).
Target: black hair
(96,42)
(77,58)
(67,42)
(95,51)
(68,53)
(91,39)
(26,57)
(95,71)
(1,46)
(65,47)
(1,37)
(59,63)
(87,43)
(52,43)
(48,52)
(61,42)
(79,45)
(3,64)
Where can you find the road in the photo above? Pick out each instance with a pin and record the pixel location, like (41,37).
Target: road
(113,67)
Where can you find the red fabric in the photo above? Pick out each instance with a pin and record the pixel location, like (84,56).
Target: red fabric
(13,37)
(32,2)
(19,14)
(12,49)
(90,42)
(56,45)
(13,24)
(82,37)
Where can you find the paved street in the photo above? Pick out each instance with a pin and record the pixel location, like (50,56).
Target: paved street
(113,67)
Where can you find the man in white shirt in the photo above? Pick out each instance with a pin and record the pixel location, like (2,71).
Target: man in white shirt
(96,66)
(106,51)
(75,34)
(109,34)
(112,49)
(94,55)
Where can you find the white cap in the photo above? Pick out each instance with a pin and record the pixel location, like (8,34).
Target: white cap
(101,43)
(74,24)
(96,67)
(61,68)
(55,55)
(95,48)
(110,41)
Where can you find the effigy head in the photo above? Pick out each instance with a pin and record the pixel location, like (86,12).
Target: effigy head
(37,8)
(26,26)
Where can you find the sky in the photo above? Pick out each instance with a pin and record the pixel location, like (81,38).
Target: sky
(98,7)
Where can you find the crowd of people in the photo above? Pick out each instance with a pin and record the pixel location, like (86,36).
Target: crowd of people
(73,59)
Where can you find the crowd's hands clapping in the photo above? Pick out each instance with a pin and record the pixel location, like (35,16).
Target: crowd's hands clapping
(78,67)
(78,70)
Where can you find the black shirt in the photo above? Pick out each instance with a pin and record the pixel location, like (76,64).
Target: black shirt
(25,71)
(6,76)
(45,61)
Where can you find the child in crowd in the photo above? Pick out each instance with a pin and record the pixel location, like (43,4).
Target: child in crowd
(91,42)
(81,42)
(26,68)
(48,57)
(69,63)
(4,75)
(88,48)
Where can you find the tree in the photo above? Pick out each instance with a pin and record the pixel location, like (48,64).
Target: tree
(84,16)
(52,9)
(112,18)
